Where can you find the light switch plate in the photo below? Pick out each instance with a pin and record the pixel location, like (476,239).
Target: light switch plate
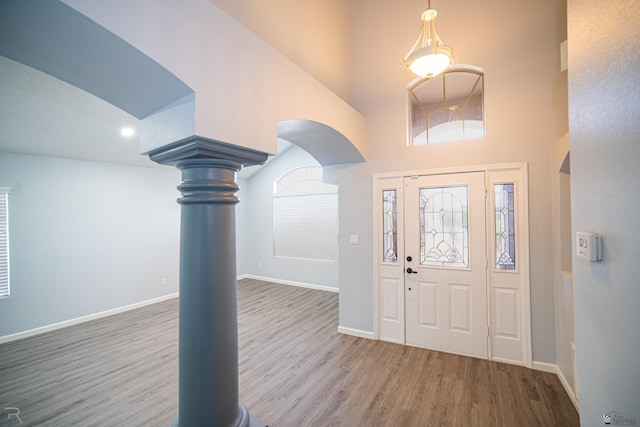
(355,239)
(589,246)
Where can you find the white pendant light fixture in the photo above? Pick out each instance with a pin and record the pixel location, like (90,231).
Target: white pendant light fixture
(429,56)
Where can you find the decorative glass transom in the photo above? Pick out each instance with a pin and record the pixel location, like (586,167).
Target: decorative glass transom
(505,227)
(444,226)
(303,180)
(390,226)
(448,107)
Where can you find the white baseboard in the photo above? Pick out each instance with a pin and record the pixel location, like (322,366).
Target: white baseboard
(356,332)
(511,362)
(568,389)
(552,368)
(290,283)
(77,320)
(391,340)
(555,369)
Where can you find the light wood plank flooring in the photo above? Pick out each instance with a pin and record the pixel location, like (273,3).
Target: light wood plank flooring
(295,370)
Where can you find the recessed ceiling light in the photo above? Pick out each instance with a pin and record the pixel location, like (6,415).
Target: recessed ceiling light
(127,131)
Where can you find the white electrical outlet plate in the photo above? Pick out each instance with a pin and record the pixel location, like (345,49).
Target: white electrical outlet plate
(589,246)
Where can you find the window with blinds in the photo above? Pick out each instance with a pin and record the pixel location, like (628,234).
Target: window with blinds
(4,242)
(305,216)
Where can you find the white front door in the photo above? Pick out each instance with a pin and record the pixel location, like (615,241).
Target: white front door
(446,262)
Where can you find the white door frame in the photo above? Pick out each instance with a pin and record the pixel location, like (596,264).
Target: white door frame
(508,342)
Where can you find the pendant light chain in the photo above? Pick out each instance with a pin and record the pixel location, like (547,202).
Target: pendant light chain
(429,56)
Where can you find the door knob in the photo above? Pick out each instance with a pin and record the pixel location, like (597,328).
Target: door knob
(409,270)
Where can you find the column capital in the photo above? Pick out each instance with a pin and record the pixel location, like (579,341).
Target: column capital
(197,147)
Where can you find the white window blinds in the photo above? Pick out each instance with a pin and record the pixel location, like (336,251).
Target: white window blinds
(4,242)
(306,226)
(305,216)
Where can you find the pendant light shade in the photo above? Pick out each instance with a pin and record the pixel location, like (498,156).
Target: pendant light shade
(429,56)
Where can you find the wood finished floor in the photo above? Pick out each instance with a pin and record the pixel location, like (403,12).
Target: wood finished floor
(295,370)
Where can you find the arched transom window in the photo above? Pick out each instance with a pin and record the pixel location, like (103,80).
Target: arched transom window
(448,107)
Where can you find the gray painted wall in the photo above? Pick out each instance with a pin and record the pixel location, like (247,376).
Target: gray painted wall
(604,123)
(258,238)
(562,257)
(86,237)
(355,261)
(565,334)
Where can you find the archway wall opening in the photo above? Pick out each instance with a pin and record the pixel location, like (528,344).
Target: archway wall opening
(190,70)
(243,87)
(328,146)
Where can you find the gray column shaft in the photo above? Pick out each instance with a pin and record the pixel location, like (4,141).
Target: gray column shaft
(208,340)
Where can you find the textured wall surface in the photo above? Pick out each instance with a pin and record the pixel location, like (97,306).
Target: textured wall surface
(604,111)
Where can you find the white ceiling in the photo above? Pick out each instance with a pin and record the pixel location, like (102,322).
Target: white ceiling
(41,115)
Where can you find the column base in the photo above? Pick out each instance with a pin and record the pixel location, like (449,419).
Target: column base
(246,419)
(253,422)
(256,422)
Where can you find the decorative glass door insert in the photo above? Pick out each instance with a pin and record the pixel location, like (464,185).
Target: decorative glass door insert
(505,227)
(390,226)
(444,227)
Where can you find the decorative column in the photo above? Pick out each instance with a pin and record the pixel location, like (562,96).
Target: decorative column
(208,341)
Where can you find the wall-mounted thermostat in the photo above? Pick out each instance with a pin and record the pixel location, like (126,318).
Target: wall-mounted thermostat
(589,246)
